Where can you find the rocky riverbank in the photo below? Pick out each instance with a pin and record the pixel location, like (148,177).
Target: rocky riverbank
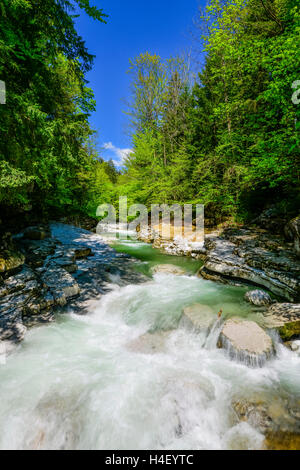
(253,256)
(48,269)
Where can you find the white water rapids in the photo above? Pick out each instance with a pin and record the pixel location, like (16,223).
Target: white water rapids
(85,382)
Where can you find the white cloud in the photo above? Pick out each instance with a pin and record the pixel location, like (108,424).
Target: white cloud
(119,154)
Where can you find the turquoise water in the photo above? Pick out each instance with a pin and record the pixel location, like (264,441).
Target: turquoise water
(150,256)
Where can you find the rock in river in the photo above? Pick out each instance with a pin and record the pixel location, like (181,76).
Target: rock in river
(246,342)
(168,269)
(198,317)
(253,257)
(285,318)
(258,297)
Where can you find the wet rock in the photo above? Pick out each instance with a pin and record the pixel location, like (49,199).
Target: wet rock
(11,325)
(246,342)
(37,251)
(268,413)
(60,283)
(17,282)
(42,304)
(238,257)
(65,260)
(168,269)
(285,318)
(282,440)
(82,252)
(255,413)
(198,317)
(258,298)
(19,299)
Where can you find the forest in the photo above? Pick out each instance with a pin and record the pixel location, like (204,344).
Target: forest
(226,134)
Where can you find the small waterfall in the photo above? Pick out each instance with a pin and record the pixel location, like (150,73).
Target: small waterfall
(243,356)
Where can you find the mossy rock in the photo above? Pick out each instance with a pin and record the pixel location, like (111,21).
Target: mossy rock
(281,440)
(289,330)
(285,318)
(11,260)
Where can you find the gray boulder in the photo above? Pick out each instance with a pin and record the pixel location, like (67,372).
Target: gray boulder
(239,257)
(198,317)
(246,342)
(258,298)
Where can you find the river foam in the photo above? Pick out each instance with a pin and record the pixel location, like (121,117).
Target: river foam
(76,383)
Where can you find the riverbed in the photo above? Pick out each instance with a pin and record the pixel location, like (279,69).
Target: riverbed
(129,375)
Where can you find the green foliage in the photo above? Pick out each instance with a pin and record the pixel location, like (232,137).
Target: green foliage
(229,139)
(44,129)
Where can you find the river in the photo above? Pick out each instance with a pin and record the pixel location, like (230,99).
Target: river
(95,382)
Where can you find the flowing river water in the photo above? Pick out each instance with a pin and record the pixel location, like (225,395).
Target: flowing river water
(100,381)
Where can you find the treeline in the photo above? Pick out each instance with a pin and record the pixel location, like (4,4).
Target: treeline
(230,138)
(48,161)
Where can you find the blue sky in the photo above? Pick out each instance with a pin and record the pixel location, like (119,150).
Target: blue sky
(134,26)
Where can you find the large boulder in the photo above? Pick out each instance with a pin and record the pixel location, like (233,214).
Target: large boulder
(168,269)
(36,251)
(285,318)
(267,411)
(246,342)
(258,298)
(198,317)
